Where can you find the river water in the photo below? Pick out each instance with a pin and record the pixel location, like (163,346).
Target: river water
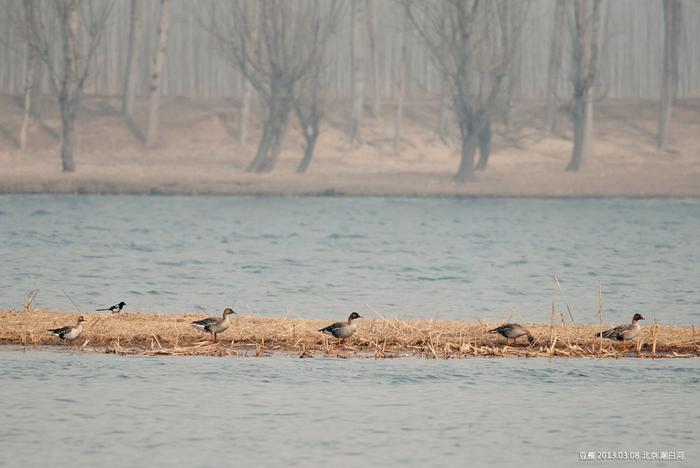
(62,409)
(470,259)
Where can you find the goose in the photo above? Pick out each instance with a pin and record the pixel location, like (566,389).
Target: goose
(624,332)
(342,330)
(215,325)
(513,331)
(69,332)
(115,309)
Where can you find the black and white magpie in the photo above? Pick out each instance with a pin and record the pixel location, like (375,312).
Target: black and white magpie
(117,308)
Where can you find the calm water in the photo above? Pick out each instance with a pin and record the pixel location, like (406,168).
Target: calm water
(322,257)
(61,409)
(488,259)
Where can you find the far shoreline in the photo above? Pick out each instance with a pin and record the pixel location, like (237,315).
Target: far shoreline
(198,154)
(569,186)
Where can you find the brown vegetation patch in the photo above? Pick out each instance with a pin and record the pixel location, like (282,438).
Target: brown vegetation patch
(136,333)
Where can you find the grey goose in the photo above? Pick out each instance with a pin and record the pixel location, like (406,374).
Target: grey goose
(342,330)
(624,332)
(69,332)
(513,331)
(215,325)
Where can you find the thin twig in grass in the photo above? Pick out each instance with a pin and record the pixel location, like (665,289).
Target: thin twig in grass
(654,335)
(381,316)
(554,312)
(566,302)
(77,309)
(600,315)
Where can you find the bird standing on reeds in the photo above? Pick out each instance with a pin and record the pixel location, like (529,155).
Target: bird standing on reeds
(215,325)
(624,332)
(116,309)
(342,330)
(69,332)
(513,331)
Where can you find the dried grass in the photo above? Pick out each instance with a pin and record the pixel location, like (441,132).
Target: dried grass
(147,334)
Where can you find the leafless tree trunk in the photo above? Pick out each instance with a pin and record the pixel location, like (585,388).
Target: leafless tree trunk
(30,27)
(448,29)
(68,98)
(669,86)
(586,25)
(292,40)
(358,72)
(484,138)
(467,131)
(511,17)
(35,93)
(444,121)
(401,86)
(69,69)
(247,94)
(472,43)
(512,75)
(374,55)
(132,53)
(555,47)
(309,108)
(280,103)
(157,74)
(280,94)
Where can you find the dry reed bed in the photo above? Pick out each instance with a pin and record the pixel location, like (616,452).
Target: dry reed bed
(135,333)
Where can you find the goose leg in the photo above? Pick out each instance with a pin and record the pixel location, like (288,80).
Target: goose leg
(215,338)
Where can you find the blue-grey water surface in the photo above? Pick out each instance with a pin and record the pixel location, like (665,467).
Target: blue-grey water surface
(470,259)
(61,409)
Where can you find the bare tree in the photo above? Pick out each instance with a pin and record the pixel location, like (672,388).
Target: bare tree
(513,15)
(358,71)
(132,52)
(157,74)
(69,67)
(500,65)
(309,105)
(30,26)
(444,120)
(471,44)
(400,85)
(35,94)
(292,37)
(585,62)
(555,49)
(374,56)
(251,45)
(669,86)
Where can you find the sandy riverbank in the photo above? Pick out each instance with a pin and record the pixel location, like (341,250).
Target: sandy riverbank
(171,334)
(200,154)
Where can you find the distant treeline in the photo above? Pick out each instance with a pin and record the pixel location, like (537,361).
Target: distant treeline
(476,57)
(631,55)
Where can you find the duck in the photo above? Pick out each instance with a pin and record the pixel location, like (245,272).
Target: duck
(69,332)
(513,331)
(624,332)
(215,325)
(342,330)
(115,309)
